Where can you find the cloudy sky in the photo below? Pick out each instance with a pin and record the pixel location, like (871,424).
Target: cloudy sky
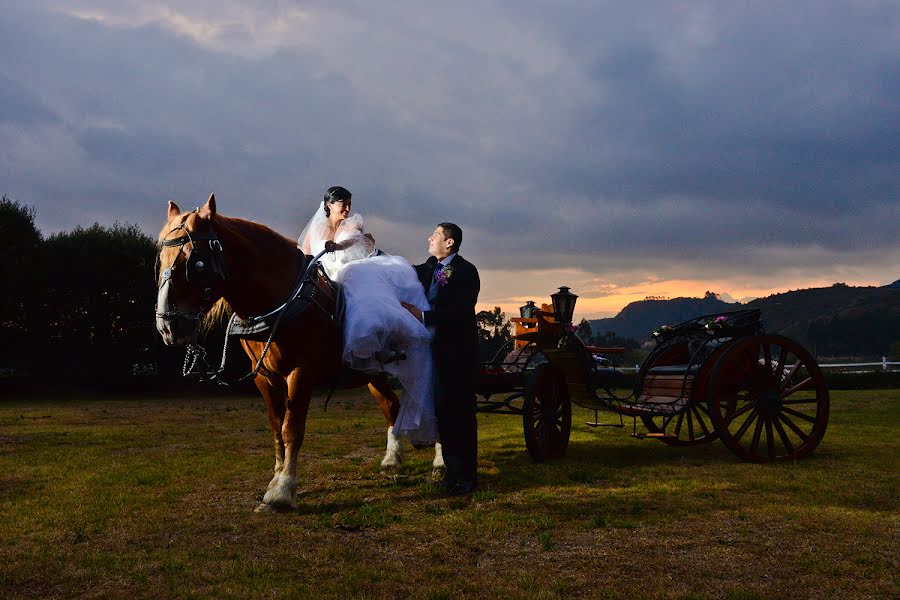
(624,149)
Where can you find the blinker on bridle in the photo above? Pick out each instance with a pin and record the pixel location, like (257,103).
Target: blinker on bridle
(198,271)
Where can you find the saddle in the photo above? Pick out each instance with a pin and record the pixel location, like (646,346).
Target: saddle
(314,288)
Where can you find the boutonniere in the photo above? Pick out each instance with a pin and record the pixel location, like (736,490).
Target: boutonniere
(443,276)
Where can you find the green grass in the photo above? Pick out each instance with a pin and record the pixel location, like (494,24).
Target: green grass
(151,497)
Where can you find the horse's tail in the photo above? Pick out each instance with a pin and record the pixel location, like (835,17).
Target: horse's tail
(218,314)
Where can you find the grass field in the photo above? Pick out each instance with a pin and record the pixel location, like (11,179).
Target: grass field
(154,498)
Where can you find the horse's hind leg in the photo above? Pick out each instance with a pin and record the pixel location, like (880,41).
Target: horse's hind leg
(380,388)
(438,468)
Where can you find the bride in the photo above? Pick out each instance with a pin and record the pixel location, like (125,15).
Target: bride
(376,326)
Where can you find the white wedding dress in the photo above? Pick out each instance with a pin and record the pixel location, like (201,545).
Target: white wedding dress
(374,320)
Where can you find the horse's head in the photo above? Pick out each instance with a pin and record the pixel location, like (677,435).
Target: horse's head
(191,271)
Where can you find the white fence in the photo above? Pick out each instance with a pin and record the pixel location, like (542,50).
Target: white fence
(865,367)
(884,364)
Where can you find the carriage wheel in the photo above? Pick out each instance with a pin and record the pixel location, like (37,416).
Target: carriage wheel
(692,427)
(768,399)
(547,414)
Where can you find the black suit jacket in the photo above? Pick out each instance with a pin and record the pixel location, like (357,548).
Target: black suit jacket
(455,343)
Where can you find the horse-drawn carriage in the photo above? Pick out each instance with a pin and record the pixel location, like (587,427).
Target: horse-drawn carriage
(715,376)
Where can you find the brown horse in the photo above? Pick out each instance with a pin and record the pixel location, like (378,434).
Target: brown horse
(205,257)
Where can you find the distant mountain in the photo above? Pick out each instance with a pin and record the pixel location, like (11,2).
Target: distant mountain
(835,321)
(639,319)
(894,285)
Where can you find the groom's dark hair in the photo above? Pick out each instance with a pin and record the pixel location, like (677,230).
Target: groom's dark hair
(452,232)
(335,194)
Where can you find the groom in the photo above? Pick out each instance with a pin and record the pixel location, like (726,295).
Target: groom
(451,285)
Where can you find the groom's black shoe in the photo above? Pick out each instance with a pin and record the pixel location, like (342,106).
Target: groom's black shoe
(461,488)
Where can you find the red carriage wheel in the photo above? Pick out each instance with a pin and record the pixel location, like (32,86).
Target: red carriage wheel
(768,399)
(546,414)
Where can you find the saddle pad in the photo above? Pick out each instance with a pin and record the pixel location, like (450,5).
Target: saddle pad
(259,328)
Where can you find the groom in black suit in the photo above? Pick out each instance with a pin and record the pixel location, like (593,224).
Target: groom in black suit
(451,284)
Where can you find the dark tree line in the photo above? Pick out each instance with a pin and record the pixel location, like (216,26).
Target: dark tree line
(78,306)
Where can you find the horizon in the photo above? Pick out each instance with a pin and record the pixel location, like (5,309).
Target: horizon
(684,289)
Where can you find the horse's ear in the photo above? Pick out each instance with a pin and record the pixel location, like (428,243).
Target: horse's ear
(174,211)
(208,211)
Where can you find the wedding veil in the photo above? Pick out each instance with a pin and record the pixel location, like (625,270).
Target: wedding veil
(312,238)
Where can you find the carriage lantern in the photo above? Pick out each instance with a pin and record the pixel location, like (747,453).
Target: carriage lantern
(527,311)
(564,305)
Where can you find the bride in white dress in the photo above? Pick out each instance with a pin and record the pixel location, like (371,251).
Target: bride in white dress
(375,323)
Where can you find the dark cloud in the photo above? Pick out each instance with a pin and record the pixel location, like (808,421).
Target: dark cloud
(608,137)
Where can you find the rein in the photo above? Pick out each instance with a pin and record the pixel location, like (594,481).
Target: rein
(196,353)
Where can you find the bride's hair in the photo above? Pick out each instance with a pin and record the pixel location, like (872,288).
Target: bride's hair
(335,194)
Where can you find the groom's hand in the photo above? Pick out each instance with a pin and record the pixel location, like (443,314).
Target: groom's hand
(413,311)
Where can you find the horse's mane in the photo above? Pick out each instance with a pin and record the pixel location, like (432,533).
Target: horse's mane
(218,314)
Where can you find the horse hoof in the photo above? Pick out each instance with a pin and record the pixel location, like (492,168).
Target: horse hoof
(438,472)
(275,508)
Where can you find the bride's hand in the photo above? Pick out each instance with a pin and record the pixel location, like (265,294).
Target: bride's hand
(413,311)
(330,246)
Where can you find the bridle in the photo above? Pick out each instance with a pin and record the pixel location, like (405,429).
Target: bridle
(201,269)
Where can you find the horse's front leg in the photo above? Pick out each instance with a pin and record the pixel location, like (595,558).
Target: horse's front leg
(380,388)
(280,494)
(274,391)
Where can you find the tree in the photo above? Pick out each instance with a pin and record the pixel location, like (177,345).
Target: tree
(493,332)
(101,291)
(22,273)
(584,332)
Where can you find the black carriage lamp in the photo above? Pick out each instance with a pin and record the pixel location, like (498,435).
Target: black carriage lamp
(528,311)
(564,305)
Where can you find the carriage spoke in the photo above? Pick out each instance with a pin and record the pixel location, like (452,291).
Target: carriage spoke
(678,423)
(790,374)
(767,357)
(770,439)
(700,420)
(779,368)
(798,414)
(793,427)
(690,425)
(746,425)
(799,386)
(783,435)
(754,444)
(800,401)
(738,412)
(747,374)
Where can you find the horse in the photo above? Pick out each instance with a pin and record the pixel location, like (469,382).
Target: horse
(206,259)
